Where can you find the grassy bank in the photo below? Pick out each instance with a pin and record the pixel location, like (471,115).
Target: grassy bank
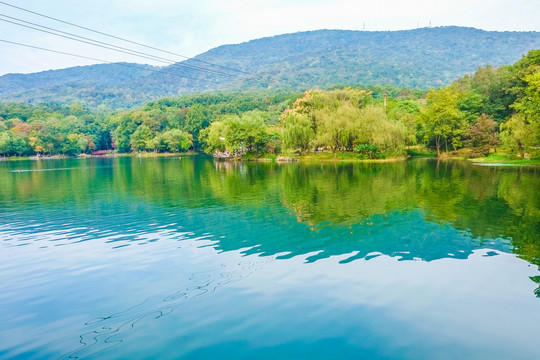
(505,159)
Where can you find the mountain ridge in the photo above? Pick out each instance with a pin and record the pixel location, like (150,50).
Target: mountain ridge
(418,58)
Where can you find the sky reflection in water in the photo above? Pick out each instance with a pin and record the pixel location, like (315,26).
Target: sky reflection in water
(135,258)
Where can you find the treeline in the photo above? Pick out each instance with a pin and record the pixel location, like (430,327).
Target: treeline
(493,108)
(51,129)
(164,125)
(347,120)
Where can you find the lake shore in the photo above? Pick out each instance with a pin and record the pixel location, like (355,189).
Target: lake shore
(89,156)
(491,160)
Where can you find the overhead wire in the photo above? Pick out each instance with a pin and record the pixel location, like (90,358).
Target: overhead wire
(157,58)
(109,46)
(100,60)
(122,39)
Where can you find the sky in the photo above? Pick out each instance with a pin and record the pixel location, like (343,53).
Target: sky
(192,27)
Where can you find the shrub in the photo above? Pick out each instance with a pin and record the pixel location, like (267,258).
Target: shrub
(368,151)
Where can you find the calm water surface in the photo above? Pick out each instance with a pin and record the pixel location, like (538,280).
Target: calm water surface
(133,258)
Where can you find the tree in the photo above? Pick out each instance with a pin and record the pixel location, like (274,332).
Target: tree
(46,137)
(177,140)
(140,139)
(406,114)
(515,134)
(5,143)
(123,127)
(489,91)
(375,128)
(74,144)
(13,144)
(323,118)
(442,120)
(297,131)
(156,143)
(213,137)
(195,120)
(337,128)
(236,134)
(483,136)
(343,118)
(255,136)
(522,131)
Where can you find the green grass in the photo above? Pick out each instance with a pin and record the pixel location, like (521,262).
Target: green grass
(342,156)
(510,159)
(262,157)
(420,151)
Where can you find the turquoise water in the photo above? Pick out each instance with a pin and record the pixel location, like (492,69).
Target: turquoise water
(132,258)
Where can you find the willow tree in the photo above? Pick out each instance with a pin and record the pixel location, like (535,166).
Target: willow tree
(299,126)
(323,119)
(337,128)
(297,131)
(376,128)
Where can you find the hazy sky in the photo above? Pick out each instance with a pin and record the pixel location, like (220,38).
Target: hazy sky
(191,27)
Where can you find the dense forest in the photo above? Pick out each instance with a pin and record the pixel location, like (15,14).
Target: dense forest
(491,109)
(420,58)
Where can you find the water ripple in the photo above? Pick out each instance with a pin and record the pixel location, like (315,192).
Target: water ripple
(111,330)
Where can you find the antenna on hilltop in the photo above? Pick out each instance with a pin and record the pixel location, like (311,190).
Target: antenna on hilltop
(429,23)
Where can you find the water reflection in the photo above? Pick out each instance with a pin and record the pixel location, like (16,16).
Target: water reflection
(426,208)
(142,241)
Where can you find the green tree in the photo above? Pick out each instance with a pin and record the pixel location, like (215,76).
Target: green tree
(213,137)
(74,144)
(522,131)
(442,121)
(177,140)
(236,134)
(515,134)
(337,128)
(196,120)
(141,139)
(5,143)
(297,131)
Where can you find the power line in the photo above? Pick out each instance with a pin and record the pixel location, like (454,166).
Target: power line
(115,63)
(122,39)
(110,46)
(95,59)
(158,58)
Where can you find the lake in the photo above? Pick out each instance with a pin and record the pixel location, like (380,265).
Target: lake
(130,258)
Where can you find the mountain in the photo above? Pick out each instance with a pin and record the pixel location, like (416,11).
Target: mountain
(420,58)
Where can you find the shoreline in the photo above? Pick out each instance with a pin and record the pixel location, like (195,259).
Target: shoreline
(501,160)
(89,156)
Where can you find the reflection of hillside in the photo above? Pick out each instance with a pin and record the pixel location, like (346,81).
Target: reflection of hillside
(488,203)
(416,209)
(344,194)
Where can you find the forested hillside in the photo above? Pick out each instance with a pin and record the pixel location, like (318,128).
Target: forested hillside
(421,58)
(476,115)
